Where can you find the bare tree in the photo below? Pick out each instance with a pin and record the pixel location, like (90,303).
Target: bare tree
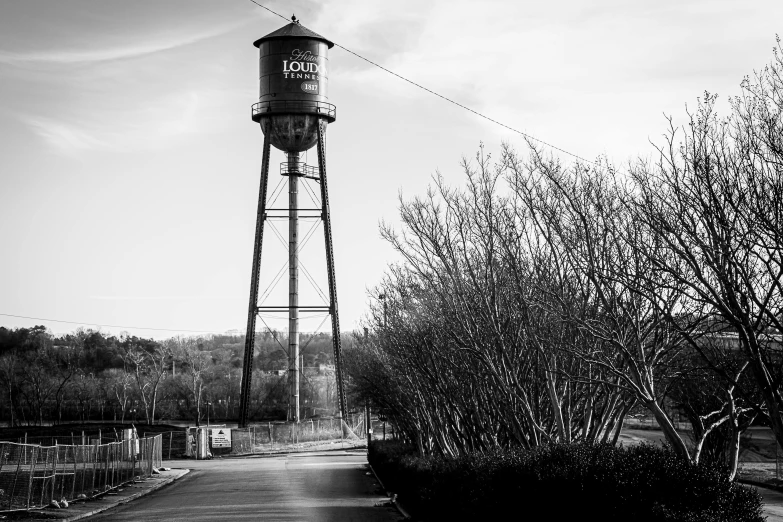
(148,361)
(714,201)
(10,362)
(463,355)
(197,363)
(581,216)
(120,383)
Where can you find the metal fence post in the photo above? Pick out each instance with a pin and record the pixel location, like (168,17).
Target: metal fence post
(19,459)
(121,464)
(84,455)
(102,460)
(128,468)
(114,462)
(54,472)
(2,459)
(65,467)
(110,465)
(33,460)
(75,471)
(133,443)
(94,452)
(44,475)
(153,456)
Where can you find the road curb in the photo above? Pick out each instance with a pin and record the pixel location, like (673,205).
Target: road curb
(757,484)
(129,498)
(396,503)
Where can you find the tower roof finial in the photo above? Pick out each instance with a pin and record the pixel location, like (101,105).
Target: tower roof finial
(294,20)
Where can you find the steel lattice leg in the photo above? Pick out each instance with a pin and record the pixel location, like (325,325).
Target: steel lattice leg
(247,368)
(338,363)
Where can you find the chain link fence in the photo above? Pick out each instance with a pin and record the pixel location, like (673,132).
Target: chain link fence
(33,476)
(271,437)
(310,434)
(173,443)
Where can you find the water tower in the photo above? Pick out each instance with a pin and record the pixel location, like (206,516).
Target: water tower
(293,112)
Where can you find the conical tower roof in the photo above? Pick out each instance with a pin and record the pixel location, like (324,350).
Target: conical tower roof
(293,30)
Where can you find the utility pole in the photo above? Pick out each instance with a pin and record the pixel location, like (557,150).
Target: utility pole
(368,423)
(382,297)
(301,376)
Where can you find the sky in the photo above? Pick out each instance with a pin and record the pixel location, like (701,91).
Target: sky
(129,165)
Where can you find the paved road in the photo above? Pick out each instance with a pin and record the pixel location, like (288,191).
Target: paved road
(325,487)
(773,504)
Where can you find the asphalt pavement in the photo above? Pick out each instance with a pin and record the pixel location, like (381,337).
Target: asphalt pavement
(773,504)
(332,486)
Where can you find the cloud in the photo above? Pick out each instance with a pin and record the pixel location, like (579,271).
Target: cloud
(62,136)
(56,56)
(187,122)
(151,128)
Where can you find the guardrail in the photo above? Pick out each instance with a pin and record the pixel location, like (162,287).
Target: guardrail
(301,168)
(268,107)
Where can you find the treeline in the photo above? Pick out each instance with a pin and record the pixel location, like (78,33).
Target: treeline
(541,302)
(88,375)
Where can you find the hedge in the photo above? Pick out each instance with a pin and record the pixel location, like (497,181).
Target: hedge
(562,482)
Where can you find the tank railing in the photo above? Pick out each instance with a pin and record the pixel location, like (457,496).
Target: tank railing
(294,106)
(302,169)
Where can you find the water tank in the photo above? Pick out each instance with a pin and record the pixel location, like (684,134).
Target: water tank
(294,68)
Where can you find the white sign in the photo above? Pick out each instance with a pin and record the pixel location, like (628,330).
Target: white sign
(221,437)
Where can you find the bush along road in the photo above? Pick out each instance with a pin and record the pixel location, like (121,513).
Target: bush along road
(563,481)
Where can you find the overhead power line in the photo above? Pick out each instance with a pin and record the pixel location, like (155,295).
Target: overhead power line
(105,325)
(445,98)
(87,323)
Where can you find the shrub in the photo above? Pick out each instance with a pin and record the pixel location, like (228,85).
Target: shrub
(559,481)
